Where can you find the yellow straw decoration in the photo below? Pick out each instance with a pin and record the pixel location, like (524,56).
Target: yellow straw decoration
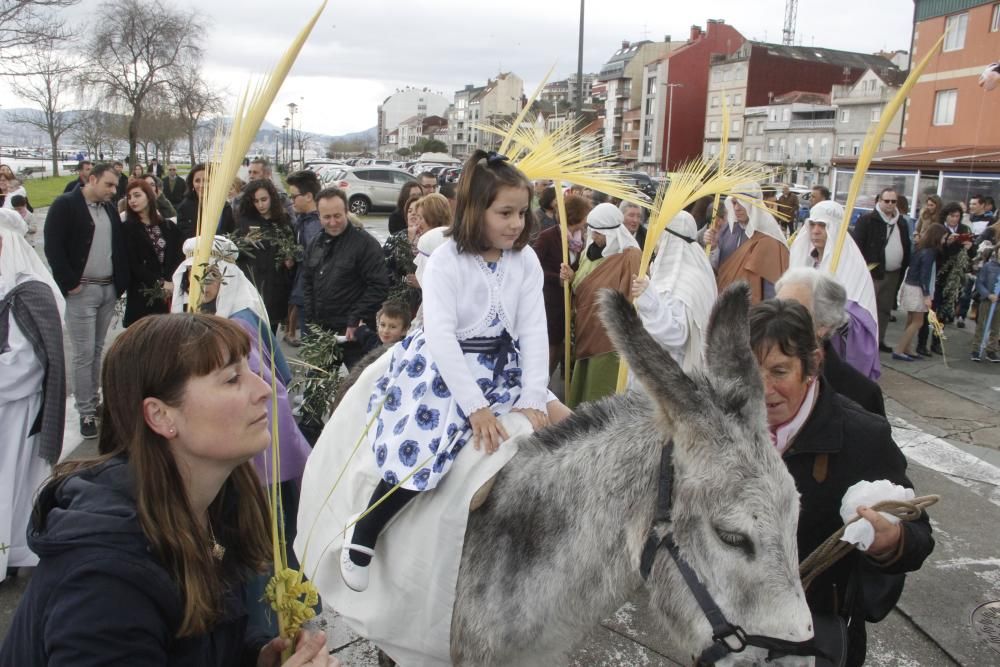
(687,185)
(723,152)
(871,144)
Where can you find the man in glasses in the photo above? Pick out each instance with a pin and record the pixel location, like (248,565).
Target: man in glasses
(883,239)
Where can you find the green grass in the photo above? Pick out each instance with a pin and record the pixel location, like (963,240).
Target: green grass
(41,191)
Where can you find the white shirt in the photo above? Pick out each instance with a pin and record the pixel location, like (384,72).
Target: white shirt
(893,248)
(460,303)
(666,321)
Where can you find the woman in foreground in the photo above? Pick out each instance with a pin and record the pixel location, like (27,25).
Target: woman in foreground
(144,549)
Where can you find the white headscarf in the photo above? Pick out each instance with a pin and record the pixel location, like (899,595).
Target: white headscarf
(682,271)
(609,221)
(20,262)
(236,292)
(760,220)
(428,242)
(852,271)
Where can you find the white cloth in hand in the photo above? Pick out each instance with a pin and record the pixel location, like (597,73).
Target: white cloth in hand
(862,533)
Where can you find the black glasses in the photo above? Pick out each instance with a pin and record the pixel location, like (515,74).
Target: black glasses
(889,201)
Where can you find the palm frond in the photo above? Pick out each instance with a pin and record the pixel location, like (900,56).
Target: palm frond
(872,141)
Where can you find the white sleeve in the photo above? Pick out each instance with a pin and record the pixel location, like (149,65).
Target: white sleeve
(664,318)
(532,335)
(21,374)
(441,303)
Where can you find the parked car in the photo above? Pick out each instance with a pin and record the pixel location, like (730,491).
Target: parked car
(449,175)
(642,181)
(368,188)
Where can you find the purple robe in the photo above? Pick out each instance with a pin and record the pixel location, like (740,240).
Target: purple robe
(857,342)
(293,448)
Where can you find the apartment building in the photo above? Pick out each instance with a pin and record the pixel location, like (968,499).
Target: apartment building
(500,99)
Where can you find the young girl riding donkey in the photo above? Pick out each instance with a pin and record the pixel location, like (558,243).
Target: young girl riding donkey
(482,352)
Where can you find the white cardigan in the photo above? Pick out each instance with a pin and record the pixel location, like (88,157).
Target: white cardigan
(459,302)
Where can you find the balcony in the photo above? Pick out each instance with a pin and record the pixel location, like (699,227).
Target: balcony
(812,124)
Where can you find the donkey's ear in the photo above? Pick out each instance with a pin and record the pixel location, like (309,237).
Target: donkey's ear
(729,361)
(665,381)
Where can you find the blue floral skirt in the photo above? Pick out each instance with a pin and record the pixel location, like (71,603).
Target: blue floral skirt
(420,427)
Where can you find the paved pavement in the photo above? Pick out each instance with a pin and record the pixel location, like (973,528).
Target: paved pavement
(946,418)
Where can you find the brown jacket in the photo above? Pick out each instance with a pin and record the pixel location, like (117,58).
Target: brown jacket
(761,258)
(614,272)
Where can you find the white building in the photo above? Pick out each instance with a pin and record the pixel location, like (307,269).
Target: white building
(404,104)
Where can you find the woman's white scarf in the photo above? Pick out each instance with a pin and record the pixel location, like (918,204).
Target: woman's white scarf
(852,271)
(759,219)
(236,292)
(606,219)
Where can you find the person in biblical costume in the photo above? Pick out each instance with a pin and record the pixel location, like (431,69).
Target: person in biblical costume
(675,301)
(610,260)
(32,386)
(750,246)
(856,342)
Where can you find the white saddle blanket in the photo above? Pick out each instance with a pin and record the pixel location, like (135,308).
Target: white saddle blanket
(407,608)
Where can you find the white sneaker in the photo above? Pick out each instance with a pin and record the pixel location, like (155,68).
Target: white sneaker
(354,575)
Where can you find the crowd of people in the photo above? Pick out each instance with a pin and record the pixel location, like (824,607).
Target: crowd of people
(153,549)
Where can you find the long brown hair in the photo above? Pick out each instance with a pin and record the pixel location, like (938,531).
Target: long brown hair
(154,214)
(155,357)
(931,238)
(482,177)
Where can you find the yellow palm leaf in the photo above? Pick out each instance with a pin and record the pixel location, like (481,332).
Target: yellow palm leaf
(871,144)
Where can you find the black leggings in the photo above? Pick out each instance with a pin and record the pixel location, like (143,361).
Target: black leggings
(366,531)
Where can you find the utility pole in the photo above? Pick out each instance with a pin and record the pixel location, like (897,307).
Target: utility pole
(670,118)
(579,69)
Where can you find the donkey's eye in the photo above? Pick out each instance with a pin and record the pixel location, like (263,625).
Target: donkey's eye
(735,540)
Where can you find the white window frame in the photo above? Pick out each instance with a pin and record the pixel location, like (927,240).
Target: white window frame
(750,129)
(736,126)
(841,148)
(855,148)
(955,27)
(995,19)
(876,115)
(845,115)
(713,127)
(757,154)
(945,104)
(715,101)
(748,154)
(738,100)
(786,114)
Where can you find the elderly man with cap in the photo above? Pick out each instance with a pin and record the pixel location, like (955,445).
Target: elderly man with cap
(857,340)
(610,260)
(675,301)
(750,246)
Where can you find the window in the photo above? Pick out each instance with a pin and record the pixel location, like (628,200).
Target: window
(810,145)
(736,126)
(715,101)
(651,85)
(713,127)
(748,154)
(647,148)
(649,106)
(714,150)
(782,147)
(647,130)
(749,129)
(855,147)
(732,153)
(626,147)
(773,115)
(797,150)
(995,21)
(824,147)
(756,155)
(738,100)
(760,127)
(955,27)
(786,114)
(944,107)
(770,147)
(845,115)
(876,115)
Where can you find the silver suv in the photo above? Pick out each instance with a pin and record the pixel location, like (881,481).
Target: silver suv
(368,188)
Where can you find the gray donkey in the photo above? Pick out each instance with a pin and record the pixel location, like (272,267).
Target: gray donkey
(557,544)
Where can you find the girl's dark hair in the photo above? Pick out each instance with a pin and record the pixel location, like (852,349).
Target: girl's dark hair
(155,358)
(249,210)
(478,186)
(154,214)
(931,237)
(547,198)
(405,193)
(190,178)
(786,325)
(948,209)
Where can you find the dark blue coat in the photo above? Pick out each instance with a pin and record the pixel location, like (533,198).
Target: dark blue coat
(100,597)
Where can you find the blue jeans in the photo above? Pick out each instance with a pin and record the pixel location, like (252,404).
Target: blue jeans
(88,316)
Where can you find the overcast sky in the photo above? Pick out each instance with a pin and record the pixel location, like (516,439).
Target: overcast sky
(361,51)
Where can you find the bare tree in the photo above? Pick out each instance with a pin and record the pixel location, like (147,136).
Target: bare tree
(162,127)
(195,101)
(26,24)
(133,53)
(92,131)
(46,88)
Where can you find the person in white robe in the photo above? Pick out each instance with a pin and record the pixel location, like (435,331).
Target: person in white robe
(22,381)
(675,301)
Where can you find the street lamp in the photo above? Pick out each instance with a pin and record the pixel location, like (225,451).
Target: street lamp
(670,118)
(284,141)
